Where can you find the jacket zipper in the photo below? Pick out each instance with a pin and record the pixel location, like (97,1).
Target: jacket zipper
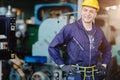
(78,44)
(90,55)
(90,47)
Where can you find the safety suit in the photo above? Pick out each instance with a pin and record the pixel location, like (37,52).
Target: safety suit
(80,48)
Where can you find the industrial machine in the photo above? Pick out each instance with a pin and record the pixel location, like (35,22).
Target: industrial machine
(44,11)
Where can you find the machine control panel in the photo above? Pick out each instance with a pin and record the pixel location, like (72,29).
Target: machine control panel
(7,36)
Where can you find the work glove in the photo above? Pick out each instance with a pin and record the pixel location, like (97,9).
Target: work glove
(68,69)
(102,72)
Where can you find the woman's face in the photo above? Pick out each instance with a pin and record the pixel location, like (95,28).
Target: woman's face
(88,14)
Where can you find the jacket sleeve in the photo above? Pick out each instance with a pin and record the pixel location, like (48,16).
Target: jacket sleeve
(58,40)
(107,51)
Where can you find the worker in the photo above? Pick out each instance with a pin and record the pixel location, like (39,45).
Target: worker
(82,39)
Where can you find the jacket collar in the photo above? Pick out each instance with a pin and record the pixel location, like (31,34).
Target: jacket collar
(80,25)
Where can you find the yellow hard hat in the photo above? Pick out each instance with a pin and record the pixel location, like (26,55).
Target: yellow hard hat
(91,3)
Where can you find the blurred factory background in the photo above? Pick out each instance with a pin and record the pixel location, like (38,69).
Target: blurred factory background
(28,26)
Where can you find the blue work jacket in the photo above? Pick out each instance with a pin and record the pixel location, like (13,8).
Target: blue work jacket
(77,44)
